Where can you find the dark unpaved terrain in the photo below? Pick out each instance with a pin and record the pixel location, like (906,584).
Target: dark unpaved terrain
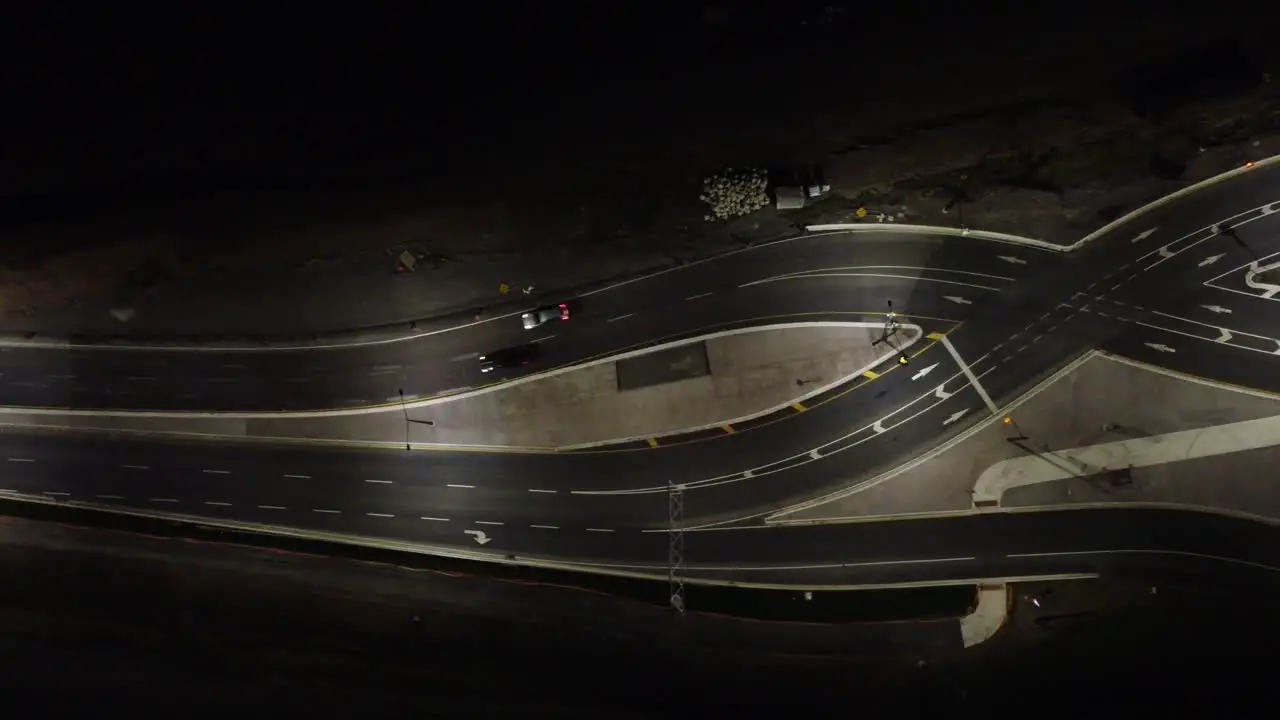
(161,623)
(264,183)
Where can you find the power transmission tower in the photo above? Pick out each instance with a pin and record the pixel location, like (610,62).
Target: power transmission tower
(675,545)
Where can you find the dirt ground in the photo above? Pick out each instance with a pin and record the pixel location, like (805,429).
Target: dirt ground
(288,222)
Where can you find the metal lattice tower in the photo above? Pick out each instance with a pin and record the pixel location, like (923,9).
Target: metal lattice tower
(675,545)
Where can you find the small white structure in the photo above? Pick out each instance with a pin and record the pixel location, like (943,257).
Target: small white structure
(789,198)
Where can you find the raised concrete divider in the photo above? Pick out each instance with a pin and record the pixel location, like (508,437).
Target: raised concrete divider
(1104,430)
(749,373)
(1125,455)
(988,616)
(832,506)
(1253,279)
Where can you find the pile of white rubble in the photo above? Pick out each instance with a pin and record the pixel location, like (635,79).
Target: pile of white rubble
(734,193)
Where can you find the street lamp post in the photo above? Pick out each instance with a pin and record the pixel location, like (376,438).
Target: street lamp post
(404,409)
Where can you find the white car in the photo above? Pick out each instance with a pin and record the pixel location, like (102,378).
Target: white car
(542,315)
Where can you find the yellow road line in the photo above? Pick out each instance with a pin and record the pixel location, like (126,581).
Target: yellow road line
(799,407)
(653,443)
(871,374)
(936,336)
(728,429)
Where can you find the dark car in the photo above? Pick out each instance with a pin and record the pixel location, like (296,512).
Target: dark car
(509,358)
(535,318)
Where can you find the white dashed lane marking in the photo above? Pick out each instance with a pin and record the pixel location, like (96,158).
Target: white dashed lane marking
(545,527)
(381,515)
(26,460)
(135,467)
(535,490)
(599,530)
(297,477)
(465,487)
(272,507)
(379,482)
(487,522)
(216,472)
(435,519)
(218,504)
(327,512)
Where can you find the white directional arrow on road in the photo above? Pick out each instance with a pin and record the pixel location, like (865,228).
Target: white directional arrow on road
(1165,252)
(924,372)
(957,299)
(955,416)
(1144,234)
(1216,309)
(1211,260)
(1012,259)
(878,428)
(940,393)
(1224,337)
(1158,346)
(479,536)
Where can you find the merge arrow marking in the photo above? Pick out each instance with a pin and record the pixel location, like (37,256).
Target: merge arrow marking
(1144,234)
(479,536)
(1211,260)
(1012,259)
(1216,309)
(955,416)
(924,372)
(957,299)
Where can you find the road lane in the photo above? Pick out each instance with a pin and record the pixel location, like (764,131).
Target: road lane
(657,308)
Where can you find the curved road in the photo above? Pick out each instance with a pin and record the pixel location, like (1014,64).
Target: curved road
(1012,313)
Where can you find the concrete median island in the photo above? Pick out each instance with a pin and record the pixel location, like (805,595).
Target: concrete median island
(1106,431)
(703,384)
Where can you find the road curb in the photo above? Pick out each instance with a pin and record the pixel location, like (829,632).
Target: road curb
(1043,244)
(932,230)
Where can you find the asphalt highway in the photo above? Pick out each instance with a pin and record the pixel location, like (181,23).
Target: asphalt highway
(1012,313)
(692,300)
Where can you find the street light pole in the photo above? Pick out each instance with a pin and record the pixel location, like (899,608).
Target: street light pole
(404,409)
(891,326)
